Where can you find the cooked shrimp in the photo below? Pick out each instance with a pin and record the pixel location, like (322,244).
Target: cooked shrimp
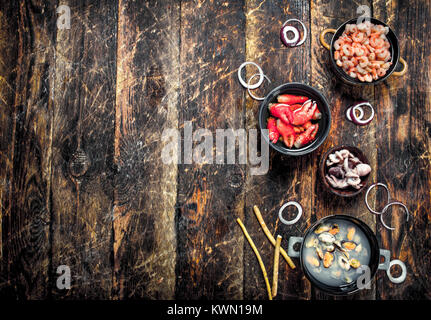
(363,51)
(376,42)
(363,62)
(348,50)
(358,37)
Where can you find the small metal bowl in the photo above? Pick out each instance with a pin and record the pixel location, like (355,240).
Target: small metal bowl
(301,90)
(323,170)
(395,53)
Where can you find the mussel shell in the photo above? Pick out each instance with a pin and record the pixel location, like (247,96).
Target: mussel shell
(327,259)
(343,263)
(321,228)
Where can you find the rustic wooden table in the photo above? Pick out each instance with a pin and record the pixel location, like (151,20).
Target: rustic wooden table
(82,114)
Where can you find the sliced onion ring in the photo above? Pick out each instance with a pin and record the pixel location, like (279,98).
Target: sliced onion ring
(403,275)
(286,41)
(385,209)
(250,86)
(290,203)
(249,91)
(358,121)
(303,27)
(368,191)
(361,113)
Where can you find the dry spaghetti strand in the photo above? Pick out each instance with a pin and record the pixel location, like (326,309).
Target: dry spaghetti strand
(262,266)
(271,238)
(276,263)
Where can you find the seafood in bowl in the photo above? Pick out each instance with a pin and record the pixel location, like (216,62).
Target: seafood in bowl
(344,170)
(362,51)
(372,30)
(334,250)
(294,120)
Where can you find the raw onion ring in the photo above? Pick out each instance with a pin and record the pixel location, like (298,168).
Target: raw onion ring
(250,86)
(286,41)
(361,113)
(368,191)
(248,89)
(290,203)
(303,27)
(403,275)
(386,209)
(358,120)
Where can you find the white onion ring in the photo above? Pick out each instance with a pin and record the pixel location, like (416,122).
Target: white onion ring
(403,275)
(357,120)
(361,113)
(289,42)
(252,86)
(386,209)
(303,27)
(290,203)
(248,89)
(368,191)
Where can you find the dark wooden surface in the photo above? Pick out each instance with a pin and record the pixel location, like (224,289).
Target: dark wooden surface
(82,113)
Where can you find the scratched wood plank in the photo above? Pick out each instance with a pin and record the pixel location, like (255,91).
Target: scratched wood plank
(404,115)
(288,178)
(8,53)
(145,187)
(83,135)
(26,224)
(331,14)
(210,243)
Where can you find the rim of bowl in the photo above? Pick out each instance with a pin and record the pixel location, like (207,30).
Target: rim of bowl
(308,148)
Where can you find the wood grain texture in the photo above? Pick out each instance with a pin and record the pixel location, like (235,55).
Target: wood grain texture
(330,14)
(210,243)
(145,188)
(288,178)
(27,221)
(83,134)
(8,54)
(404,115)
(83,184)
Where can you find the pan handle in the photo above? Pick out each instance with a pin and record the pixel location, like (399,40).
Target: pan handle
(387,255)
(387,265)
(291,252)
(403,71)
(322,38)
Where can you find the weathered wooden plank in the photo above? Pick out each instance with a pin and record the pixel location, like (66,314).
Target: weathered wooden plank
(331,15)
(404,117)
(83,135)
(210,243)
(145,188)
(8,53)
(26,224)
(288,178)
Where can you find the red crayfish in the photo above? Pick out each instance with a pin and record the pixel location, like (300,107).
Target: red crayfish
(292,118)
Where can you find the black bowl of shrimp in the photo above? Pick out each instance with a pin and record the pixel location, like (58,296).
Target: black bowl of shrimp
(295,119)
(364,53)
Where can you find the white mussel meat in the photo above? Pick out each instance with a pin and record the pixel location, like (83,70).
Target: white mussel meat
(344,263)
(327,238)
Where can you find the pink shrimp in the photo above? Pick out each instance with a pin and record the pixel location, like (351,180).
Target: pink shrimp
(358,37)
(363,62)
(347,50)
(381,72)
(376,42)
